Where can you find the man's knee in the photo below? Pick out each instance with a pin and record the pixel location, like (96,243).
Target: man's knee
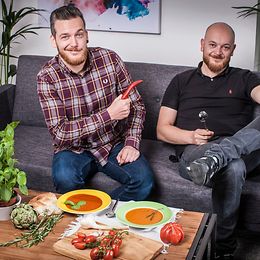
(237,169)
(70,171)
(64,180)
(66,173)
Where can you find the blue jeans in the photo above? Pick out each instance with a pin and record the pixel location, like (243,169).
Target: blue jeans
(71,171)
(238,155)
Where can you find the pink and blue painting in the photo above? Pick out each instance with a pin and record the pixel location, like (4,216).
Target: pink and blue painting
(138,16)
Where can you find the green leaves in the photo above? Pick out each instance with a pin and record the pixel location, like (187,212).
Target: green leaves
(23,189)
(79,204)
(5,193)
(12,70)
(10,176)
(10,35)
(69,202)
(75,205)
(21,178)
(246,11)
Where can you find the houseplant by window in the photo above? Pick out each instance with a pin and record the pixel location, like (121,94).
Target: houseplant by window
(245,11)
(11,34)
(10,176)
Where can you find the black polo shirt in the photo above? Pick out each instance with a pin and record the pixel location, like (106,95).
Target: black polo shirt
(226,98)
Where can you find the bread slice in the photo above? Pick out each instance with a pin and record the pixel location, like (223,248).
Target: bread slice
(45,203)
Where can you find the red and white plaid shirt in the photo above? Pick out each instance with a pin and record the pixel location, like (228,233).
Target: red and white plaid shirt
(75,106)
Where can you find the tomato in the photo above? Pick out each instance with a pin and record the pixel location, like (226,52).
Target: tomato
(90,239)
(95,253)
(172,233)
(81,235)
(112,232)
(105,241)
(116,248)
(109,255)
(76,240)
(80,245)
(117,241)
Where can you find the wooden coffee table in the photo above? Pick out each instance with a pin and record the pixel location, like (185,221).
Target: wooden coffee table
(199,229)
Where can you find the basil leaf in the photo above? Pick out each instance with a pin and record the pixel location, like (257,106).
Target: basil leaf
(75,207)
(69,202)
(79,204)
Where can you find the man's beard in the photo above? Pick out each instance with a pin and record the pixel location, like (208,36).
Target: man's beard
(215,67)
(73,61)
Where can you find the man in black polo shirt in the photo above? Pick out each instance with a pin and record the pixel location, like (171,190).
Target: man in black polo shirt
(221,151)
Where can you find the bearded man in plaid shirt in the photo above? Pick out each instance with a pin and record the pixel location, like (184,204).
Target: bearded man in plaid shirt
(93,129)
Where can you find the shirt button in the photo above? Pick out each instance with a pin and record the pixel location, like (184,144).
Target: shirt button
(211,79)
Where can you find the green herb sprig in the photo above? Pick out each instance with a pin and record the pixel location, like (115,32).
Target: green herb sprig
(36,234)
(151,216)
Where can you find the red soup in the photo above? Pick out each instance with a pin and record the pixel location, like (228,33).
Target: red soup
(144,216)
(92,202)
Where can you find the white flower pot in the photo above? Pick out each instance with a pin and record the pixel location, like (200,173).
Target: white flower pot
(6,211)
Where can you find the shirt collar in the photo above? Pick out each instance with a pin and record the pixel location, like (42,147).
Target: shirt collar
(223,73)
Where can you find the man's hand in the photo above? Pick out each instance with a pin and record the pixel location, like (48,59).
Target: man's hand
(127,155)
(119,109)
(201,136)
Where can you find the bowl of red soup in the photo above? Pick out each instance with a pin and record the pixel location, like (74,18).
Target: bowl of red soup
(143,214)
(84,201)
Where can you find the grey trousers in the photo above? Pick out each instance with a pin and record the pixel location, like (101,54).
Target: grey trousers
(238,155)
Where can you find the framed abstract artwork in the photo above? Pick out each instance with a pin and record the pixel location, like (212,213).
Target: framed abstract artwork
(135,16)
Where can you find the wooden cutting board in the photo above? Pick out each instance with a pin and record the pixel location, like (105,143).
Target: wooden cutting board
(134,247)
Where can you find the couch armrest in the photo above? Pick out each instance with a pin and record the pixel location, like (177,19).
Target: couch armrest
(7,93)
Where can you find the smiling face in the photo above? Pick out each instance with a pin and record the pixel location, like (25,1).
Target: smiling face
(217,47)
(70,39)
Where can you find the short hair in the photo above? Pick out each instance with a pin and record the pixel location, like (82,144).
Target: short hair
(66,12)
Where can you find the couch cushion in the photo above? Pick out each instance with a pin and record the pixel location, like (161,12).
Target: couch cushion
(26,106)
(33,150)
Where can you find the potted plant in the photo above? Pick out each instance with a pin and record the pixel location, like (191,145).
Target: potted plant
(245,11)
(10,176)
(11,35)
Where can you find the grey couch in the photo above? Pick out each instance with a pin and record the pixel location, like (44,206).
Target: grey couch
(33,147)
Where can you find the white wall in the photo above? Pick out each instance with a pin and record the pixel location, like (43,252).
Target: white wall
(183,25)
